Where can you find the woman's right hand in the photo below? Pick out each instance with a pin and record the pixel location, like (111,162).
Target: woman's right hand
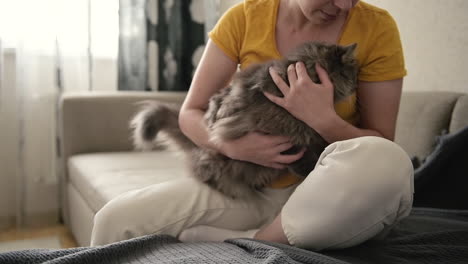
(261,149)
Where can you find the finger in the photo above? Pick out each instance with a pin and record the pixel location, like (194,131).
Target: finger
(323,76)
(292,76)
(277,140)
(301,70)
(275,99)
(286,159)
(283,147)
(282,85)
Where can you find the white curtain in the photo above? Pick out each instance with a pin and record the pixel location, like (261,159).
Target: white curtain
(212,14)
(214,9)
(50,44)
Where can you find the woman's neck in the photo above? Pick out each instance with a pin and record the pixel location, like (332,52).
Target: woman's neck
(293,27)
(292,15)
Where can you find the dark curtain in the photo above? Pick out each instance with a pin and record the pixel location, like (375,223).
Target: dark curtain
(164,53)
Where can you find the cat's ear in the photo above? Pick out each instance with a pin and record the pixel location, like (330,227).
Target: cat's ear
(349,50)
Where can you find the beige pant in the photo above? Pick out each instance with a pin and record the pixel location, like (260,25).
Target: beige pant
(358,189)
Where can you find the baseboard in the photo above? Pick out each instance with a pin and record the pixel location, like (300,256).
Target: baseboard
(34,220)
(42,219)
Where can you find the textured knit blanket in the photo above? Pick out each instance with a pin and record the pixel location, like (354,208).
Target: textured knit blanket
(426,236)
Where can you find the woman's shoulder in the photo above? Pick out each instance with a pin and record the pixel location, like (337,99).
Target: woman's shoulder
(367,22)
(256,4)
(370,13)
(253,6)
(251,20)
(253,11)
(380,52)
(259,8)
(369,7)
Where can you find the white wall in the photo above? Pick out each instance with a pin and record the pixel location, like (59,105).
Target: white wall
(434,34)
(435,41)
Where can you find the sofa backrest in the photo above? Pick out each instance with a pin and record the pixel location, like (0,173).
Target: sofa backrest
(95,122)
(425,115)
(99,122)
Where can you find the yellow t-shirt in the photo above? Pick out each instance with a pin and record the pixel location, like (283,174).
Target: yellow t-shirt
(246,33)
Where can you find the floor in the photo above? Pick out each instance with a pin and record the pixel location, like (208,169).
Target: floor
(36,238)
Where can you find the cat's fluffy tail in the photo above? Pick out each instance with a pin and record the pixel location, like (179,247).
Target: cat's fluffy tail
(155,117)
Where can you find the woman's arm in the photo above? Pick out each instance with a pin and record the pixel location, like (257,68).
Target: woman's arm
(313,104)
(214,72)
(379,103)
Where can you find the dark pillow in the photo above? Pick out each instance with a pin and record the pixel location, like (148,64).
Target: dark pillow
(441,181)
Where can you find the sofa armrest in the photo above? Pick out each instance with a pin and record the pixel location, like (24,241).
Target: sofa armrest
(99,121)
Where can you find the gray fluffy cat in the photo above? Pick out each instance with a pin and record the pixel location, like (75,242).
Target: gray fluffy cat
(242,108)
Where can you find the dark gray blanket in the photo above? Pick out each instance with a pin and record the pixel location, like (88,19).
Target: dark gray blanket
(426,236)
(442,179)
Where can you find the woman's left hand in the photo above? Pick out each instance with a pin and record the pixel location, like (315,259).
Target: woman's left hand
(307,101)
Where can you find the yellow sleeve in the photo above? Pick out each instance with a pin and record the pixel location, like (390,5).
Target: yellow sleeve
(385,60)
(228,33)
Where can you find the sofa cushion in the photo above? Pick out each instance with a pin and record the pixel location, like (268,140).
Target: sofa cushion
(422,117)
(99,177)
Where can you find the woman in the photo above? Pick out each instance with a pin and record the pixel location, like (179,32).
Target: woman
(362,183)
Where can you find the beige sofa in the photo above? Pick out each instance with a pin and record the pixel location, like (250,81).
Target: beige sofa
(99,164)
